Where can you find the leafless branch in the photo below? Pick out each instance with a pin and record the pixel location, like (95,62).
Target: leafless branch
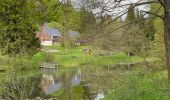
(161,2)
(154,13)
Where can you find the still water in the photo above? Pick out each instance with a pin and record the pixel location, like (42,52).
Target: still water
(72,83)
(78,83)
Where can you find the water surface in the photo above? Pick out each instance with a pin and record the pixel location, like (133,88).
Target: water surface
(78,83)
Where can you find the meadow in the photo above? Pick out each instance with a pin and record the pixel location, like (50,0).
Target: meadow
(77,57)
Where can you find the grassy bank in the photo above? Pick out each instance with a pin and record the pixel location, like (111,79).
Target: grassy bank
(18,63)
(66,57)
(145,86)
(76,57)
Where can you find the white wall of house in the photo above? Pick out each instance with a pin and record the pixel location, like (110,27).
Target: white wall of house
(46,43)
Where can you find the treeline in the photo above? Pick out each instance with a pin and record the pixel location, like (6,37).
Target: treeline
(145,35)
(20,21)
(137,33)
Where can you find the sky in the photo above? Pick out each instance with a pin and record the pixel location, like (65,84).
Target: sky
(115,12)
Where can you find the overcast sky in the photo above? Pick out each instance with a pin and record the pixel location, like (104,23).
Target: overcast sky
(111,4)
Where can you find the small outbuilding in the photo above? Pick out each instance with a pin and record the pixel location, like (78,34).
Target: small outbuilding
(75,35)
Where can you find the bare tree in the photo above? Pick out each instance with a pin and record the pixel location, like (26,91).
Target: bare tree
(119,8)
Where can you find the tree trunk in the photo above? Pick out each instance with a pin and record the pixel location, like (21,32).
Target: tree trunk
(167,35)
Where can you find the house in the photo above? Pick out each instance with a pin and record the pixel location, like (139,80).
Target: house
(49,36)
(75,35)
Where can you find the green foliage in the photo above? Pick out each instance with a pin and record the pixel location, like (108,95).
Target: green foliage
(47,11)
(71,16)
(154,9)
(131,14)
(140,35)
(149,25)
(56,25)
(74,20)
(20,86)
(158,43)
(18,30)
(88,23)
(141,85)
(18,63)
(149,30)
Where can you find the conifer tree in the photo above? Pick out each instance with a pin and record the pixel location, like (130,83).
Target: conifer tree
(18,30)
(131,14)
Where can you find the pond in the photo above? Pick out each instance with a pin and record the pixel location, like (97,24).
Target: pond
(77,83)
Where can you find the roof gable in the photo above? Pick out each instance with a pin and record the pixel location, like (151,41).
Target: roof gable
(56,32)
(52,31)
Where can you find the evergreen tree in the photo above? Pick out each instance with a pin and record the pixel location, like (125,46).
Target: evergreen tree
(158,49)
(88,23)
(73,16)
(56,25)
(146,26)
(18,30)
(149,30)
(48,11)
(131,14)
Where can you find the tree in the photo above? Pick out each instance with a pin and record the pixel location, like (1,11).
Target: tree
(166,20)
(134,40)
(122,4)
(73,16)
(56,25)
(66,41)
(130,14)
(88,23)
(48,11)
(18,30)
(158,42)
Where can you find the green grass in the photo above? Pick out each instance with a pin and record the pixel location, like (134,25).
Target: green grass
(53,47)
(37,58)
(145,86)
(76,57)
(136,85)
(66,57)
(20,63)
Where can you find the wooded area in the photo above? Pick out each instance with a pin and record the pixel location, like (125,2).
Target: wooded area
(88,33)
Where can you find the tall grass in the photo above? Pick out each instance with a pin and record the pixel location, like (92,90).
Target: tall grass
(141,85)
(19,88)
(19,62)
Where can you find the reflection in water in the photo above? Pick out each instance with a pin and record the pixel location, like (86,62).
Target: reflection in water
(48,85)
(87,83)
(76,78)
(99,96)
(52,82)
